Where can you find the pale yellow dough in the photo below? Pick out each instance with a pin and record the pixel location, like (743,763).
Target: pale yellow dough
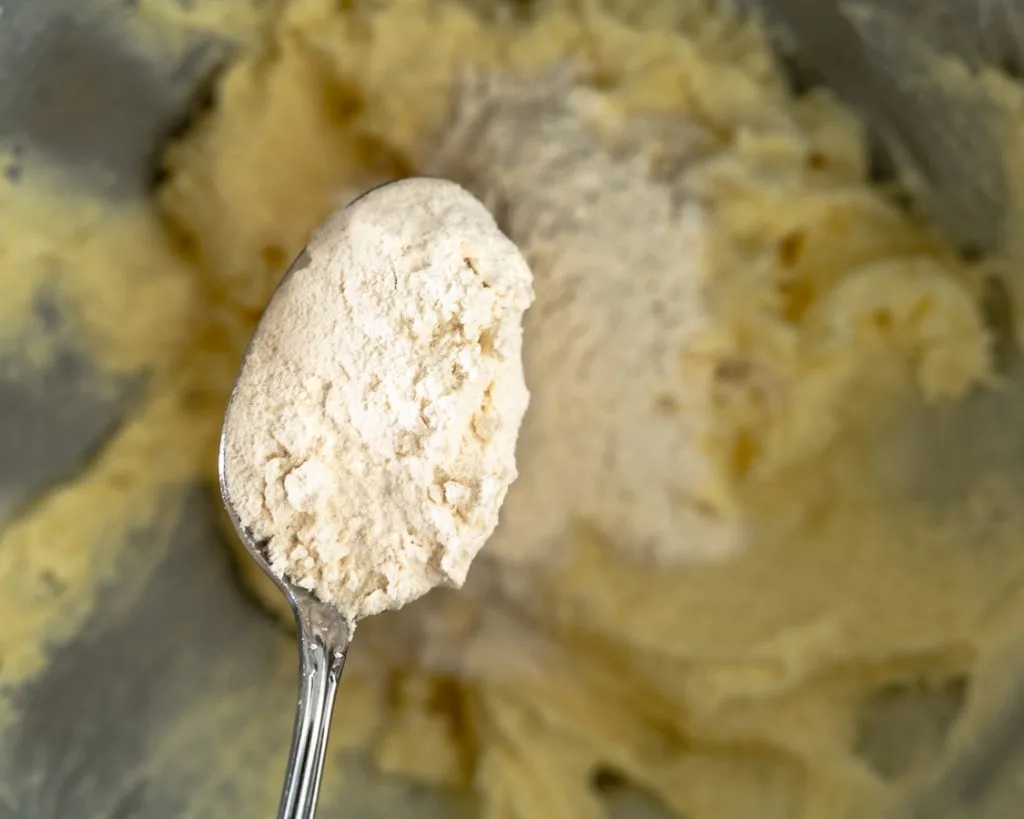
(875,538)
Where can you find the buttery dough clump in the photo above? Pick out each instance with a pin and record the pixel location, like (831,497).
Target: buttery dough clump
(370,439)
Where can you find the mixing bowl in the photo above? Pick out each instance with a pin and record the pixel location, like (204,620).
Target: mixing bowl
(176,692)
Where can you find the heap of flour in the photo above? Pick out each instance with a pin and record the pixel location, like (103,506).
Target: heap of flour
(370,439)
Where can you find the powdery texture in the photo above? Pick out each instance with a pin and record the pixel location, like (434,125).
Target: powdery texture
(621,295)
(371,436)
(707,311)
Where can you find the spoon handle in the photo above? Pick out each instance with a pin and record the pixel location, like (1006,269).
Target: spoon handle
(323,646)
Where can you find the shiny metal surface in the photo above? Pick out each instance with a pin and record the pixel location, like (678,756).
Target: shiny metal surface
(96,88)
(943,142)
(323,645)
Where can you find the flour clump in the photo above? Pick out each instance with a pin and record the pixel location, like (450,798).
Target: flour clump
(371,435)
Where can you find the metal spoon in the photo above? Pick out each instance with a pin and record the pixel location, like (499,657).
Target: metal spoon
(324,636)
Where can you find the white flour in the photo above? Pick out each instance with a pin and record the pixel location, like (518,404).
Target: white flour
(371,436)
